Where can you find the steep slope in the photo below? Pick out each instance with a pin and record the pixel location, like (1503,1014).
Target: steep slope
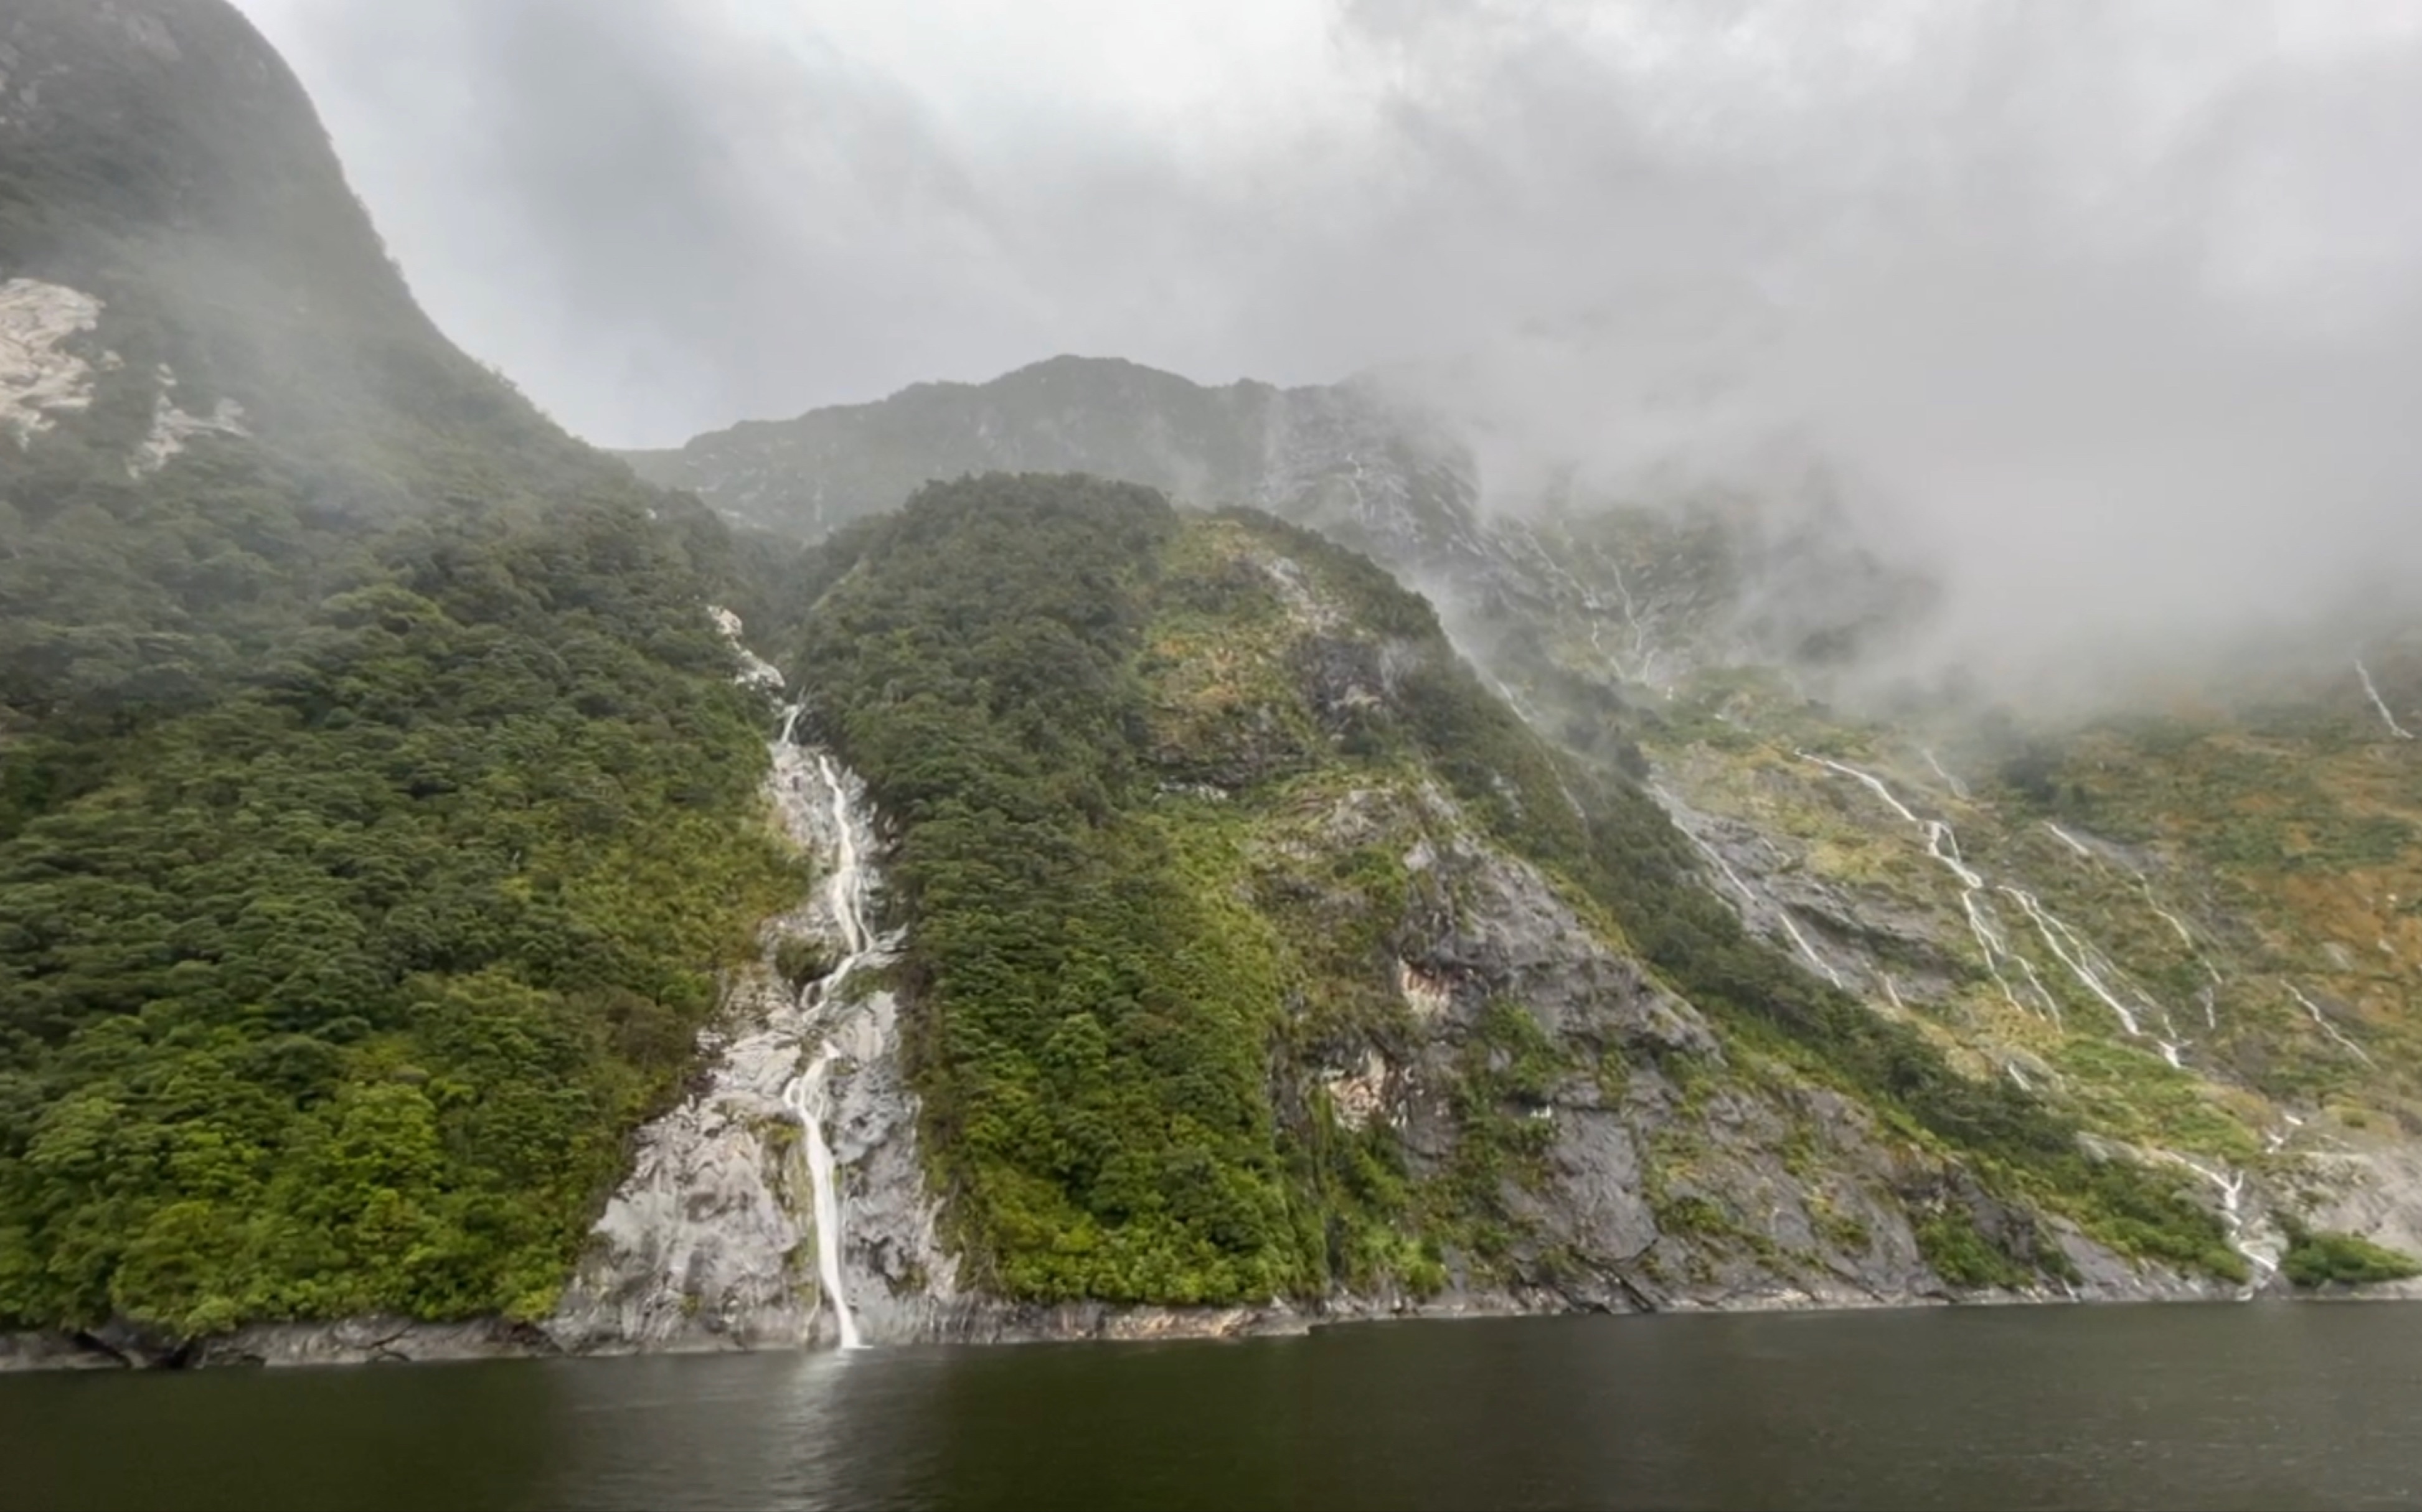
(2188,927)
(2171,928)
(376,801)
(1247,948)
(1345,459)
(1358,461)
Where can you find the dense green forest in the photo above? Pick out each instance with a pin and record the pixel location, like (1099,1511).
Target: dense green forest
(1099,1014)
(378,809)
(339,992)
(376,805)
(1093,1051)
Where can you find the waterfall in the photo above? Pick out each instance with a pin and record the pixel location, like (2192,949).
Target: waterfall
(1942,848)
(2261,1256)
(2328,1028)
(1958,789)
(2371,691)
(810,1098)
(803,776)
(2088,965)
(1686,821)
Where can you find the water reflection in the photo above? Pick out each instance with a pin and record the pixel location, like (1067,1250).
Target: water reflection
(2208,1406)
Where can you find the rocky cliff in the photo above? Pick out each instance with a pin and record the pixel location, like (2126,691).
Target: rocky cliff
(2183,931)
(423,934)
(1460,1083)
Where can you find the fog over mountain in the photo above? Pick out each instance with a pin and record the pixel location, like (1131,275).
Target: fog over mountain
(1809,694)
(2109,313)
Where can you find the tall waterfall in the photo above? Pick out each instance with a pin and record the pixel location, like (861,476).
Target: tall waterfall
(803,777)
(705,1242)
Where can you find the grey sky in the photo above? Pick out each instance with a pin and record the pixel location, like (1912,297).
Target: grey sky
(2120,300)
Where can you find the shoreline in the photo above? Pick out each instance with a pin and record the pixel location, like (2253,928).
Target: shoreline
(373,1341)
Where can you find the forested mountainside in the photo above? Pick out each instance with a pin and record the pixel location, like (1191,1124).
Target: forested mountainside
(414,904)
(376,805)
(2188,927)
(1255,948)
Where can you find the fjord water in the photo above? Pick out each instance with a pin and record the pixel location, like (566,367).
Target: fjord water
(2168,1407)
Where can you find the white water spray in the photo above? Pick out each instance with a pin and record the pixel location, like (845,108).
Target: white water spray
(1943,846)
(2179,925)
(2069,840)
(1871,782)
(1749,895)
(2328,1028)
(2371,691)
(2088,965)
(1958,789)
(2052,1004)
(809,1098)
(2145,886)
(2262,1262)
(2059,938)
(1643,656)
(803,773)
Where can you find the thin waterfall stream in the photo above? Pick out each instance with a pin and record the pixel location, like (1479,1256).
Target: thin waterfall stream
(810,777)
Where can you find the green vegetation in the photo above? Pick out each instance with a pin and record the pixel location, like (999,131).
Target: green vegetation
(339,993)
(2319,1258)
(376,808)
(1951,1243)
(1094,1024)
(1109,979)
(1621,851)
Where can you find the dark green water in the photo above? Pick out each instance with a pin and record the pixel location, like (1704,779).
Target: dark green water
(2267,1406)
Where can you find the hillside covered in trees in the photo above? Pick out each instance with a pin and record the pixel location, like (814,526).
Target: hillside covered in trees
(376,808)
(384,825)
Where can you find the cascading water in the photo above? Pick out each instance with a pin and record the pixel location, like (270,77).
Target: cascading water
(2321,1020)
(2087,965)
(1684,820)
(1943,846)
(1958,789)
(2261,1258)
(2371,691)
(802,774)
(2145,885)
(809,1097)
(705,1243)
(2077,954)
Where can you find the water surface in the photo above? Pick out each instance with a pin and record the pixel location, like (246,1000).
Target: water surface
(2222,1406)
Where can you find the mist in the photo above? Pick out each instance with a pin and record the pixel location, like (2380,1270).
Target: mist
(2107,316)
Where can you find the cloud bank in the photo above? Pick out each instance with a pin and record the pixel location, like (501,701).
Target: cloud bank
(2110,313)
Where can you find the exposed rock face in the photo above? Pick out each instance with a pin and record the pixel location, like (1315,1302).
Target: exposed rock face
(41,374)
(2376,1193)
(1675,1181)
(902,1281)
(711,1242)
(171,428)
(707,1243)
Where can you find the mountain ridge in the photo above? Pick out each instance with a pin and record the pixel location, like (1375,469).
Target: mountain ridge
(1683,649)
(395,898)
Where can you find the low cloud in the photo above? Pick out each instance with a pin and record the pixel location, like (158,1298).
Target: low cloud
(2107,314)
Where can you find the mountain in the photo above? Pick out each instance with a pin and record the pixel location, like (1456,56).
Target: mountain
(1105,897)
(377,802)
(1242,950)
(2186,926)
(1359,461)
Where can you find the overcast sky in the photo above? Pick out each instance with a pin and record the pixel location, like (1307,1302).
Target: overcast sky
(2149,270)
